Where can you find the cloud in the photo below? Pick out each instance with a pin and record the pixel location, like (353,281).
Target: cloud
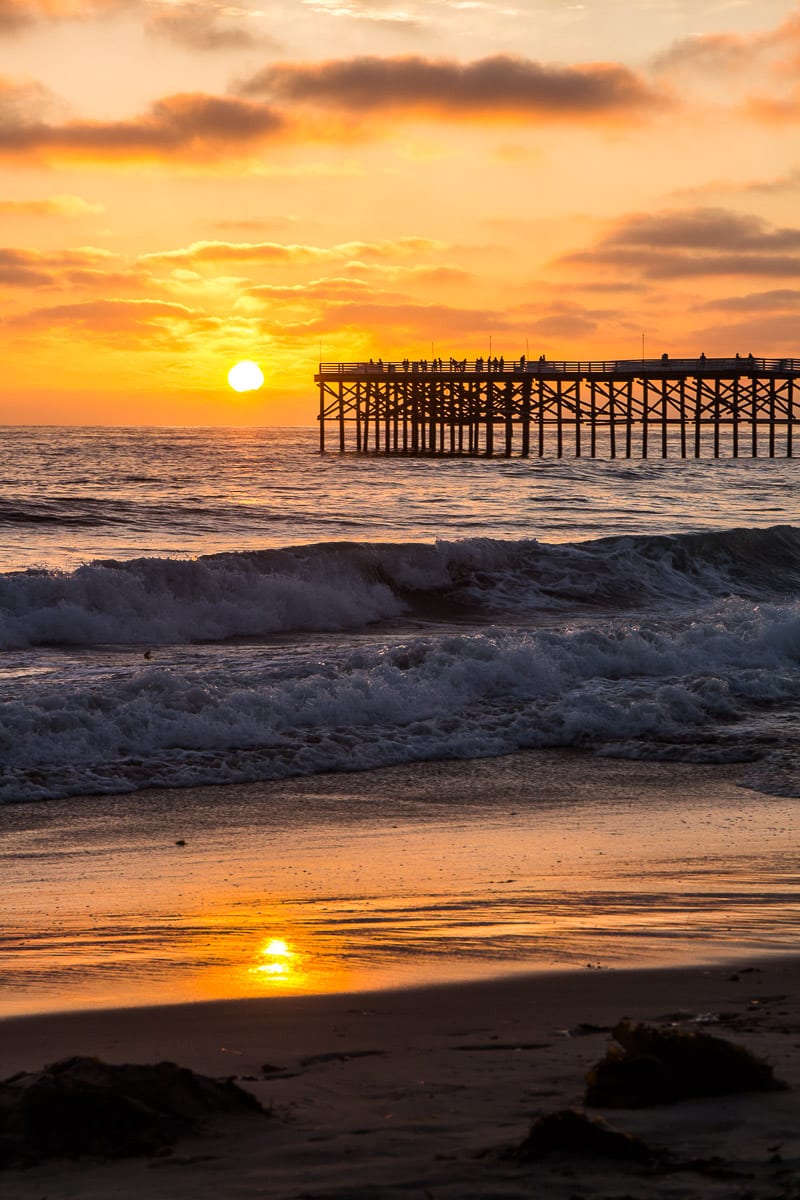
(694,242)
(243,224)
(727,53)
(331,288)
(407,321)
(34,268)
(120,324)
(702,53)
(771,334)
(778,300)
(500,85)
(199,253)
(381,12)
(187,126)
(420,273)
(25,103)
(17,15)
(758,71)
(196,25)
(705,228)
(398,248)
(51,206)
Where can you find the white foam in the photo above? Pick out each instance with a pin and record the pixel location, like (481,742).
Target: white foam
(219,717)
(343,586)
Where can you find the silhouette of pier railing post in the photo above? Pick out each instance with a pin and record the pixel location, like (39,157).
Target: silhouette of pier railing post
(429,407)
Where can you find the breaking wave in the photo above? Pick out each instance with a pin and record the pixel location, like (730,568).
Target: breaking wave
(346,586)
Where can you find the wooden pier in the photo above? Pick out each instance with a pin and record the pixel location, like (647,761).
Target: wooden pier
(698,407)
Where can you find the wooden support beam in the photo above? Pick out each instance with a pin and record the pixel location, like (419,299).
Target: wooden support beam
(322,418)
(789,417)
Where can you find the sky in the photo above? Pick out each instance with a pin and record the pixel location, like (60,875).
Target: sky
(186,183)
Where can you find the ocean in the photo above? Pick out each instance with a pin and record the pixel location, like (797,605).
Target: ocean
(224,619)
(208,606)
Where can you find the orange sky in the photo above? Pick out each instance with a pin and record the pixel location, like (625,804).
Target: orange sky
(186,183)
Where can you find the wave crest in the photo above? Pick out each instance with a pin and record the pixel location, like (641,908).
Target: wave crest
(338,586)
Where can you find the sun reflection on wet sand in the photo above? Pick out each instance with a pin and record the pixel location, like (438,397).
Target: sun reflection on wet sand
(279,964)
(331,898)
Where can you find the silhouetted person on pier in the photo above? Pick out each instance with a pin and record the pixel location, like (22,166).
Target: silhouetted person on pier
(501,365)
(702,356)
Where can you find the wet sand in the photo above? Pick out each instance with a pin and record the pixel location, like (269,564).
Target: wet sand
(432,873)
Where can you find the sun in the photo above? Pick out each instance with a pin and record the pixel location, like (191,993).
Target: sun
(246,376)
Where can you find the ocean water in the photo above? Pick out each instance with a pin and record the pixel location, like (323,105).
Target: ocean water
(470,717)
(186,607)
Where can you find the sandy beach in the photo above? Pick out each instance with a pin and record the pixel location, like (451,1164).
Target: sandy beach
(422,1092)
(537,902)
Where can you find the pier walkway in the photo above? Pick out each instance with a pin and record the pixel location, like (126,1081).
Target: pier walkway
(614,408)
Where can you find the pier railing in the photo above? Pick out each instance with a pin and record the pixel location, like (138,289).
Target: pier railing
(607,407)
(582,369)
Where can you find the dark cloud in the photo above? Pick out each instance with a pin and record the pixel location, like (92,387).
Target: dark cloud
(694,242)
(497,85)
(189,126)
(15,16)
(706,229)
(778,300)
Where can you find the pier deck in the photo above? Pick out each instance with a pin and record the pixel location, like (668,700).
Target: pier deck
(613,408)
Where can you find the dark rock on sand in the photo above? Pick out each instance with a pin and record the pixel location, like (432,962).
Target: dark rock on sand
(652,1065)
(84,1106)
(576,1134)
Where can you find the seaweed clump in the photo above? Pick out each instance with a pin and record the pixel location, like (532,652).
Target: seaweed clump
(652,1065)
(81,1105)
(578,1135)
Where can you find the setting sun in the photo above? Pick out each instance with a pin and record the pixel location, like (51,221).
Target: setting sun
(246,376)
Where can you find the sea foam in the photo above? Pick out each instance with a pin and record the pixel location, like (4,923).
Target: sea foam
(342,586)
(692,689)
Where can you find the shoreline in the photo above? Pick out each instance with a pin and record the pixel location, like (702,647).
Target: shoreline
(395,1093)
(427,873)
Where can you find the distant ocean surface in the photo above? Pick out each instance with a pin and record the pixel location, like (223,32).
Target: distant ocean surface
(184,606)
